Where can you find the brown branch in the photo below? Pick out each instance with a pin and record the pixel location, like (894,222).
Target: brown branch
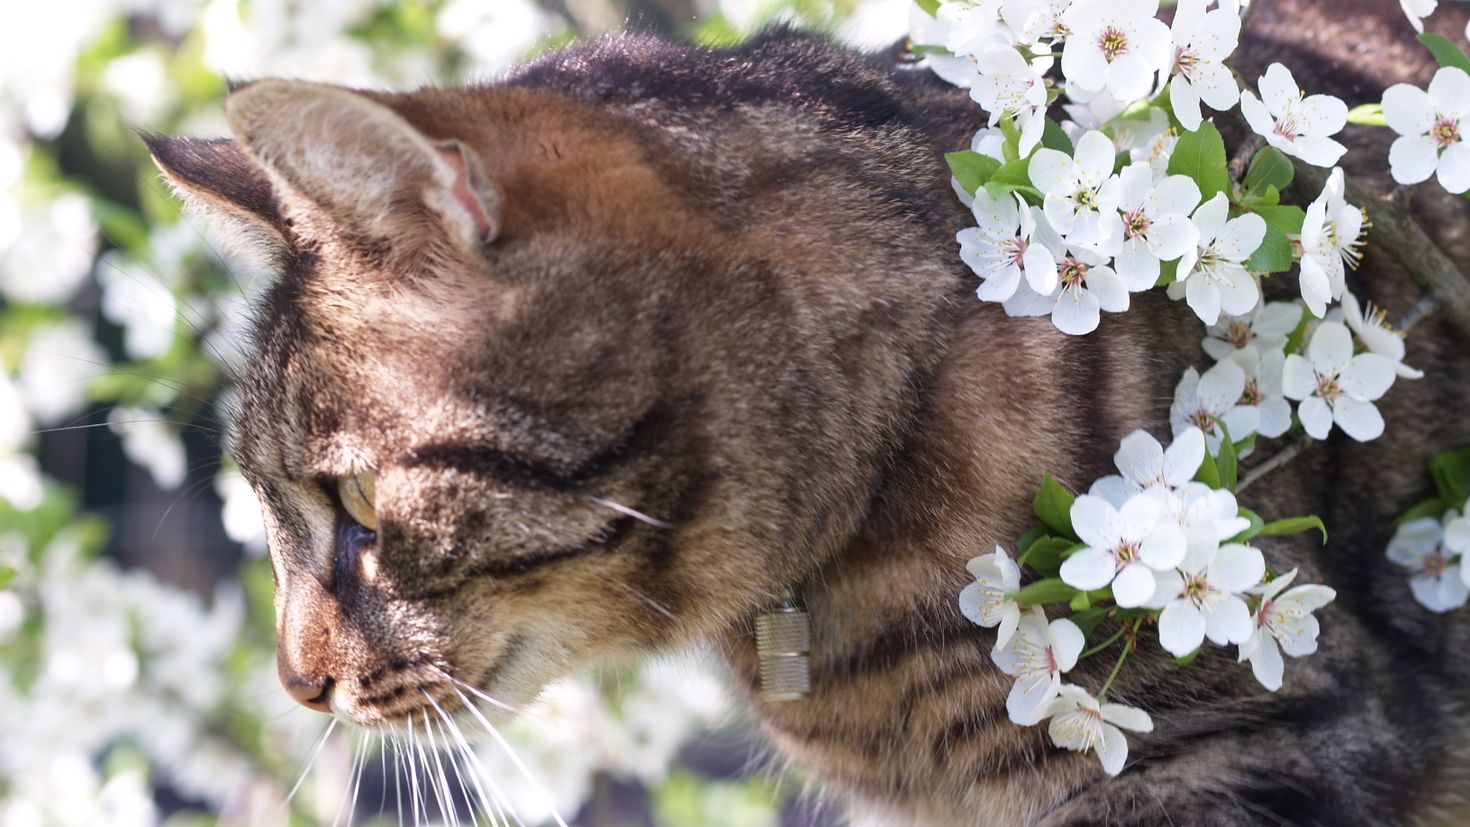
(1276,460)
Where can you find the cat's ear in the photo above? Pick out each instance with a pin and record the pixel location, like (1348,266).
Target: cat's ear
(360,162)
(217,179)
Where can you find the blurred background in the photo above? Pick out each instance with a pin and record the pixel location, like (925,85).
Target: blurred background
(137,680)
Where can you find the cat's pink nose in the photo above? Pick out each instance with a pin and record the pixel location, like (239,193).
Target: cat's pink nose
(312,694)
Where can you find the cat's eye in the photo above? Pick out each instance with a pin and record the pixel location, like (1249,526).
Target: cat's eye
(359,493)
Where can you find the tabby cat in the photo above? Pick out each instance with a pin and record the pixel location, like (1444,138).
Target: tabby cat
(613,354)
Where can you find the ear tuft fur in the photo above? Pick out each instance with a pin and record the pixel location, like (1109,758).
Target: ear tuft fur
(215,177)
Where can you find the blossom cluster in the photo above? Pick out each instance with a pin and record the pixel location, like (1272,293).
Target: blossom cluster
(1162,542)
(1431,122)
(1133,189)
(1432,539)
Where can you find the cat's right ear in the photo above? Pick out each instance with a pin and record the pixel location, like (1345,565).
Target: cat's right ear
(220,181)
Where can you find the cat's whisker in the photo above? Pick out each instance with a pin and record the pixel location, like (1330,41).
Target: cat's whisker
(413,774)
(493,808)
(316,751)
(511,754)
(630,512)
(474,691)
(396,740)
(457,770)
(347,791)
(653,604)
(357,784)
(442,791)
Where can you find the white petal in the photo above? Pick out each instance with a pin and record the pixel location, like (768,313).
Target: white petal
(1240,237)
(1204,299)
(1256,115)
(1210,217)
(1181,628)
(1440,594)
(1236,568)
(1041,268)
(1299,636)
(1133,586)
(1414,539)
(1112,488)
(1127,717)
(1321,115)
(1130,76)
(1215,85)
(1029,697)
(1050,170)
(1140,458)
(1267,665)
(1316,417)
(1164,547)
(1185,101)
(1408,109)
(1297,377)
(1331,348)
(1454,166)
(1076,311)
(1184,457)
(1413,158)
(1096,521)
(1088,569)
(972,598)
(1137,265)
(1315,150)
(1007,628)
(1278,89)
(1359,420)
(1172,235)
(1368,376)
(1067,642)
(1095,158)
(1111,293)
(1449,92)
(1227,620)
(1112,750)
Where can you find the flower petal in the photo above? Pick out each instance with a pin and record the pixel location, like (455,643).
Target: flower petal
(1454,167)
(1408,109)
(1127,717)
(1413,158)
(1267,665)
(1067,642)
(1331,348)
(1088,569)
(1297,377)
(1076,311)
(1316,417)
(1368,376)
(1026,704)
(1359,420)
(1236,568)
(1181,628)
(1227,620)
(1133,586)
(1112,750)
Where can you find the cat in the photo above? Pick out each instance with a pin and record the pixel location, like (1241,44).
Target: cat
(614,354)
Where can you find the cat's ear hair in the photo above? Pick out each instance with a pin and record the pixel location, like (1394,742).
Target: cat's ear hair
(217,179)
(362,163)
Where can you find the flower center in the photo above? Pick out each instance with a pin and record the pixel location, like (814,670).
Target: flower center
(1375,316)
(1015,249)
(1185,60)
(1435,563)
(1204,420)
(1113,42)
(1072,272)
(1196,588)
(1136,224)
(1445,132)
(1239,334)
(1328,388)
(1263,616)
(1125,553)
(1252,394)
(1287,128)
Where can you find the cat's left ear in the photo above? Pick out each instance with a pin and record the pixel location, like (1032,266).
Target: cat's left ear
(359,161)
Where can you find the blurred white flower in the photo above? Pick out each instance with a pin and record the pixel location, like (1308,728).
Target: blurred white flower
(1005,245)
(138,303)
(139,81)
(1435,580)
(1125,546)
(1081,196)
(1206,401)
(990,600)
(1377,333)
(1203,596)
(1283,622)
(1266,327)
(1417,10)
(495,35)
(59,361)
(1079,722)
(1037,655)
(875,24)
(52,252)
(240,513)
(1156,224)
(151,443)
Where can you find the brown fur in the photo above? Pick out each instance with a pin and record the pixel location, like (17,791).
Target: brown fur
(723,291)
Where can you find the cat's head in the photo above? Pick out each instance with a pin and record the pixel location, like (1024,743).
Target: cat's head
(523,400)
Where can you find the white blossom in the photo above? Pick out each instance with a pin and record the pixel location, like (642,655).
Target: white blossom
(1116,45)
(1377,333)
(1036,21)
(1202,511)
(1436,579)
(990,600)
(59,361)
(1283,622)
(1212,277)
(1202,42)
(1267,327)
(1335,386)
(1009,85)
(1330,242)
(1207,401)
(1457,539)
(151,443)
(52,252)
(1086,287)
(1037,655)
(1432,129)
(1204,595)
(1079,722)
(1004,245)
(1079,201)
(1143,464)
(1156,224)
(1299,126)
(1125,546)
(1263,373)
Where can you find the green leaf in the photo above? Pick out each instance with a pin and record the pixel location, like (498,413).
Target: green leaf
(1046,554)
(1270,168)
(1168,272)
(1295,525)
(1201,156)
(1053,504)
(1209,472)
(1087,619)
(926,49)
(1013,176)
(1432,508)
(1445,51)
(1257,525)
(1081,602)
(1023,544)
(1270,198)
(1368,114)
(1451,473)
(1052,137)
(971,169)
(1048,590)
(1189,658)
(7,576)
(929,6)
(1011,149)
(1227,464)
(1287,218)
(1274,254)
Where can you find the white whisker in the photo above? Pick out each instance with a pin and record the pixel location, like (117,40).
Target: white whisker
(442,790)
(475,691)
(630,512)
(514,759)
(315,752)
(493,805)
